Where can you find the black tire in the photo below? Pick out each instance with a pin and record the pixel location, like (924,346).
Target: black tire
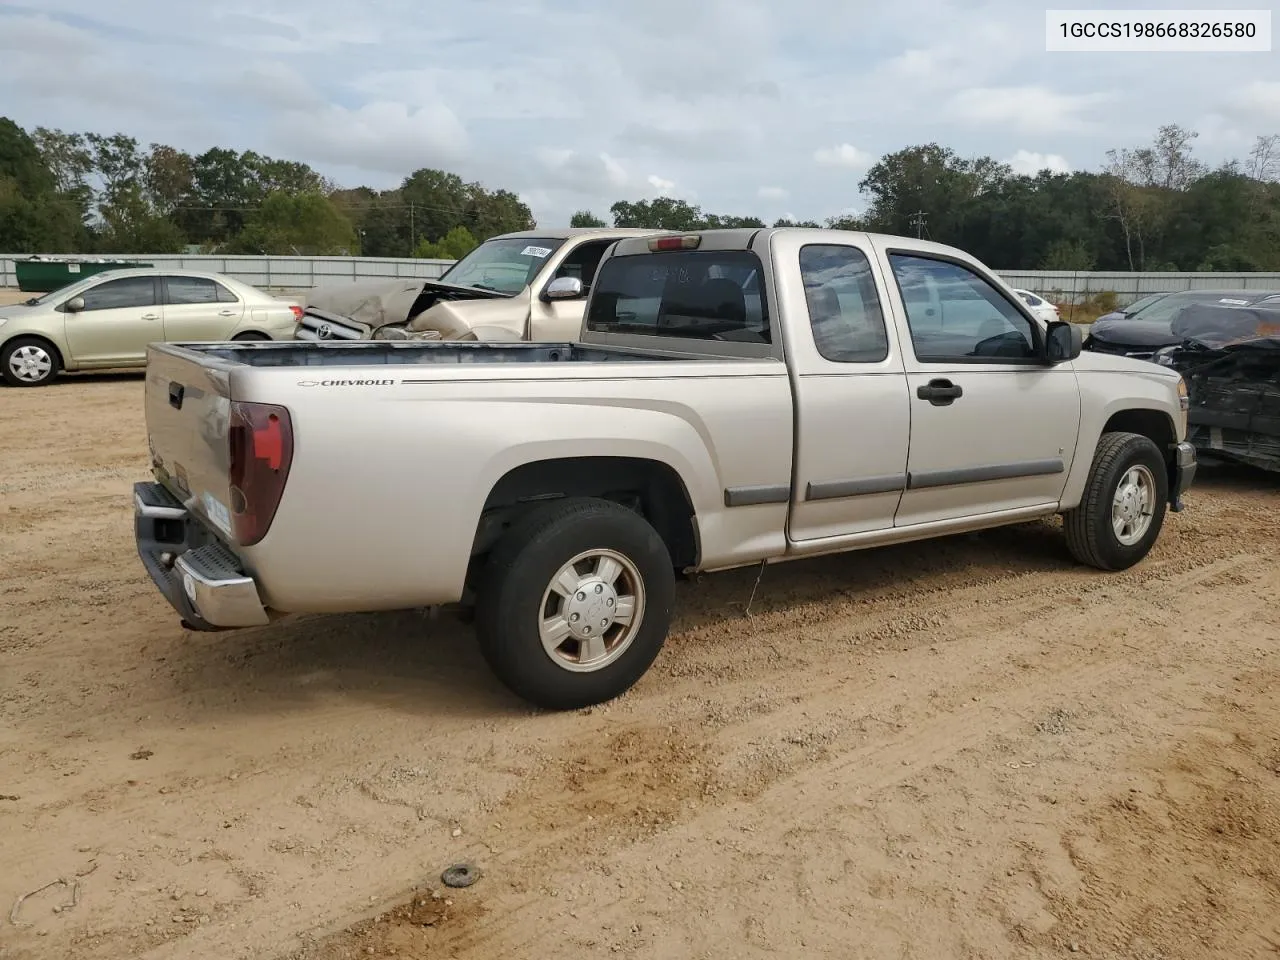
(250,336)
(12,349)
(1091,537)
(513,590)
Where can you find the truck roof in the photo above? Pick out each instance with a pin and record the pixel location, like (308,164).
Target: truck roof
(564,233)
(739,238)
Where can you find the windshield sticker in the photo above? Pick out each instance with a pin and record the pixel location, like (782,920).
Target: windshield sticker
(539,252)
(1239,303)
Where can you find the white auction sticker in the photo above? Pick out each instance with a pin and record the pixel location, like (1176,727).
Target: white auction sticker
(217,513)
(538,252)
(1157,31)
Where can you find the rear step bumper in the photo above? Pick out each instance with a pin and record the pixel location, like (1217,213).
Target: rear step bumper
(195,571)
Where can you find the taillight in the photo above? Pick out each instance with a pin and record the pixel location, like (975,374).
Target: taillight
(260,436)
(297,312)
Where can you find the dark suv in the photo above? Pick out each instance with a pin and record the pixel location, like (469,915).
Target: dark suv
(1140,332)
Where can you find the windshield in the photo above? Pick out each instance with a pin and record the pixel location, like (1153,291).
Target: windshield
(66,290)
(1138,306)
(504,266)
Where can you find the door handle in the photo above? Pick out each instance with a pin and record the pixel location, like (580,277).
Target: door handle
(940,393)
(151,316)
(226,313)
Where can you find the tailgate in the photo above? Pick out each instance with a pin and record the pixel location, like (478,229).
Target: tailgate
(188,407)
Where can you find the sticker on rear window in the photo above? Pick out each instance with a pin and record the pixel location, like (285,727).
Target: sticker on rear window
(1239,303)
(538,252)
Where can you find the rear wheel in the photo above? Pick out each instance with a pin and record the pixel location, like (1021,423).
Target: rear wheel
(575,602)
(28,362)
(1123,508)
(250,336)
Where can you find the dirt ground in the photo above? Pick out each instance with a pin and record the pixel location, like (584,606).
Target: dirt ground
(967,748)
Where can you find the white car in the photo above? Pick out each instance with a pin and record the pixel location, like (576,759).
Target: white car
(106,320)
(1041,307)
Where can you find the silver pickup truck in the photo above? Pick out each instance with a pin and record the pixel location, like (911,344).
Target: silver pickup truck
(734,397)
(531,285)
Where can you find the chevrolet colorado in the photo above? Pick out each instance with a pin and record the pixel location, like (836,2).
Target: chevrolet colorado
(733,397)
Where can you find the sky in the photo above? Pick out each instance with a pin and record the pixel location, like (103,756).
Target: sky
(749,107)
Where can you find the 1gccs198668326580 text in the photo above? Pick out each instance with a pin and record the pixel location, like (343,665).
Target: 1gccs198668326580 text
(1156,31)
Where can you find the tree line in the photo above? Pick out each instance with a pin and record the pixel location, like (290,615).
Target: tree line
(1153,207)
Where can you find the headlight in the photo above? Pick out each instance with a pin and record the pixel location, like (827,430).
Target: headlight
(1184,397)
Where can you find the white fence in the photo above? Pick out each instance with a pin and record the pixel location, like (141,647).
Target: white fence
(299,273)
(278,273)
(1067,286)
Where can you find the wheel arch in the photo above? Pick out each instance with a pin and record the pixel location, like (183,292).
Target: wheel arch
(1150,419)
(651,487)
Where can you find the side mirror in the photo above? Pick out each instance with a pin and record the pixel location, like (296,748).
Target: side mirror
(75,304)
(563,288)
(1063,341)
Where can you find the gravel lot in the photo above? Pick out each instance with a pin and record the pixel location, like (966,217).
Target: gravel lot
(963,748)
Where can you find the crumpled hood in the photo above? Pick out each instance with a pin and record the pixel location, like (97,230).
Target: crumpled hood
(372,302)
(456,319)
(1134,332)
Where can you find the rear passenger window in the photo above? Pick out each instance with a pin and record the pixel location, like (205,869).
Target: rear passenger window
(186,290)
(844,309)
(700,295)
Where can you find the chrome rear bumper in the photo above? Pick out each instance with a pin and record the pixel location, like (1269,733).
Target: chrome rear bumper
(197,573)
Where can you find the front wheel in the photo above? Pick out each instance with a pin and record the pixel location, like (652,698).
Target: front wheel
(575,602)
(1123,507)
(28,362)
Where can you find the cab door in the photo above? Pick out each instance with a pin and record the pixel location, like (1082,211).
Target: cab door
(561,320)
(199,308)
(853,417)
(120,317)
(993,425)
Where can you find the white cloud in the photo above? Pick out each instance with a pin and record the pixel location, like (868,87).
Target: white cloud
(382,136)
(1259,100)
(1030,163)
(660,184)
(773,193)
(845,155)
(1027,109)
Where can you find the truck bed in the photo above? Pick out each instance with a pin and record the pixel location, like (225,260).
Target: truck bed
(415,353)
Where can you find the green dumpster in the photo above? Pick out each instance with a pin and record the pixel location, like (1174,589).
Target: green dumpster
(40,275)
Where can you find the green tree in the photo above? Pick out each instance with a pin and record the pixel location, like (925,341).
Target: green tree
(663,213)
(454,245)
(585,218)
(296,224)
(1067,255)
(169,175)
(130,224)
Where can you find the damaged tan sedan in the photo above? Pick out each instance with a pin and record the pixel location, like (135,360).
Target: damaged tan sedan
(529,286)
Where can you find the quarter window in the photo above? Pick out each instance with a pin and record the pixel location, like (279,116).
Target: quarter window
(844,309)
(956,315)
(117,294)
